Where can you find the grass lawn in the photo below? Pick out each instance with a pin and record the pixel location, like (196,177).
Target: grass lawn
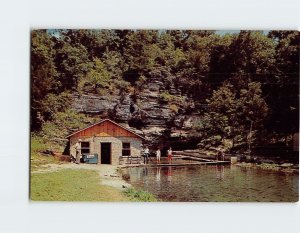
(37,159)
(72,185)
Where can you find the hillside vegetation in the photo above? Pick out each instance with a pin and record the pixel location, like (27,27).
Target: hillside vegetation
(241,88)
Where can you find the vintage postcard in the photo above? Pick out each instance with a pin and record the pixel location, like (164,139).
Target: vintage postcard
(164,115)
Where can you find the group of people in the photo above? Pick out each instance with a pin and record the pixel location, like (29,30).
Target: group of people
(146,154)
(158,155)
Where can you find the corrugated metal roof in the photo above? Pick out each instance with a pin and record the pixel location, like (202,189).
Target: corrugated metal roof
(102,122)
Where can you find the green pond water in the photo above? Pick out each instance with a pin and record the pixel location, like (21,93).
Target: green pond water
(204,183)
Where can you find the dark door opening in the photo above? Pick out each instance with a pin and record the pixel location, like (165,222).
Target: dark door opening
(106,153)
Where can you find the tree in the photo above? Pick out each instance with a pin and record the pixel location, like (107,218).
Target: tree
(44,77)
(54,103)
(136,50)
(222,111)
(283,95)
(220,62)
(114,64)
(97,77)
(252,110)
(64,123)
(237,113)
(244,76)
(251,52)
(72,64)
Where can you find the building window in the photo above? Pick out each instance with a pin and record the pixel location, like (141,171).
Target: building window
(85,147)
(126,149)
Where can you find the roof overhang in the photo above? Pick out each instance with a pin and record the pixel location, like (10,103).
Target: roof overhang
(102,122)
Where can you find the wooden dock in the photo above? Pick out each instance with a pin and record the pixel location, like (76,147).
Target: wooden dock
(178,164)
(186,160)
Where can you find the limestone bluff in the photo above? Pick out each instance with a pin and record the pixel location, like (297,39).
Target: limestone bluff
(157,109)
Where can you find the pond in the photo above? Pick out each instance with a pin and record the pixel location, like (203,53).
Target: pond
(202,183)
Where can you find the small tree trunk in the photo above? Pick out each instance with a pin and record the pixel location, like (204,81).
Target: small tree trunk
(249,140)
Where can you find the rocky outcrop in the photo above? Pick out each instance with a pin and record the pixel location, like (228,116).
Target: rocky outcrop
(95,104)
(122,111)
(155,110)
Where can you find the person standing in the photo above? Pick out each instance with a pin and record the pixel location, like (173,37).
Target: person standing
(146,155)
(158,154)
(78,151)
(222,155)
(170,152)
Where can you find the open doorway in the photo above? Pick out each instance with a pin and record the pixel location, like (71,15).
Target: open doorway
(105,153)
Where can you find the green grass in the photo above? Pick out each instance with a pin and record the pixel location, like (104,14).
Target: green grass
(72,185)
(37,158)
(139,195)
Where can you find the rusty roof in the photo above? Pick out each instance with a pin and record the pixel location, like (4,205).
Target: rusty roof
(102,122)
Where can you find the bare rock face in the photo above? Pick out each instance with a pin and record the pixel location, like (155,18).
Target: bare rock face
(146,111)
(177,133)
(94,104)
(190,121)
(178,121)
(153,132)
(122,109)
(185,122)
(153,135)
(155,112)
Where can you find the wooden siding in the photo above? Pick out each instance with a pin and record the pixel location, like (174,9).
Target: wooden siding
(105,129)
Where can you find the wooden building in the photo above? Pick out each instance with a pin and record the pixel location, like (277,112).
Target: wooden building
(111,141)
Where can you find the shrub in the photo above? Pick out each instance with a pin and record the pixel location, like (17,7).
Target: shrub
(63,124)
(174,108)
(166,97)
(139,195)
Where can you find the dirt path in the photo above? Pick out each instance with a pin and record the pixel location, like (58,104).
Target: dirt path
(108,173)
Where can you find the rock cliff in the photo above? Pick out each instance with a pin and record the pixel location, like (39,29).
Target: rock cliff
(155,110)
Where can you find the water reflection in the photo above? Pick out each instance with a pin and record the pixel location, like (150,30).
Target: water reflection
(145,171)
(220,172)
(215,183)
(158,169)
(169,174)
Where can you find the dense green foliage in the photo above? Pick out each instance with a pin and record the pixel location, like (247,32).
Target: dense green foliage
(245,85)
(62,124)
(235,113)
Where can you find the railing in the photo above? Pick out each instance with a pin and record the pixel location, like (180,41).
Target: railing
(130,160)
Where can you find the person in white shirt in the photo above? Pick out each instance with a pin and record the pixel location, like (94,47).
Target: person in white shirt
(158,154)
(146,155)
(170,152)
(78,151)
